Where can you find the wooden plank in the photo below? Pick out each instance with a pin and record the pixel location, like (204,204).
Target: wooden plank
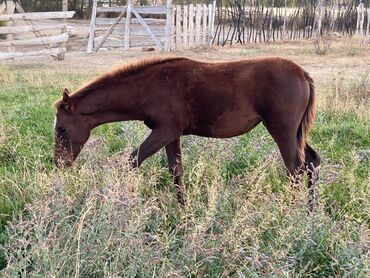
(127,25)
(104,28)
(38,15)
(133,42)
(90,44)
(53,52)
(115,32)
(198,16)
(141,42)
(37,41)
(191,25)
(150,33)
(168,28)
(204,24)
(159,9)
(30,28)
(109,21)
(116,9)
(178,27)
(120,16)
(143,32)
(185,25)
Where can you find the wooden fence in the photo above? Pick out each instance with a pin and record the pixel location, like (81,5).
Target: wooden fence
(192,25)
(165,26)
(23,37)
(261,23)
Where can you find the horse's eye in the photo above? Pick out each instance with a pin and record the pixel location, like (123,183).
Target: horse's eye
(62,129)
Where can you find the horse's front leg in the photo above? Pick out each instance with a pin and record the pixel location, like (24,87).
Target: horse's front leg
(174,155)
(157,139)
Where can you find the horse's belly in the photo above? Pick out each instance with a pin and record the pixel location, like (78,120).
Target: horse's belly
(225,126)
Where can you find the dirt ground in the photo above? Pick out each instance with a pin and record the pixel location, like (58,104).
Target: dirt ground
(348,56)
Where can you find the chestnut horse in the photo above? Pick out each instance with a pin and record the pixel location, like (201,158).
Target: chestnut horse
(179,96)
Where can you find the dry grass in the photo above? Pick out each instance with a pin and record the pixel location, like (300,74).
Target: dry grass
(100,219)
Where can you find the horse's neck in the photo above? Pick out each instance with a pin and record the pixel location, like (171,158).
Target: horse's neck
(105,106)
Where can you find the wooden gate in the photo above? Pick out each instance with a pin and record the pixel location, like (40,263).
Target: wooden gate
(22,37)
(125,31)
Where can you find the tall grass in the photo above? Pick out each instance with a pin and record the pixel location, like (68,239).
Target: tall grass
(243,219)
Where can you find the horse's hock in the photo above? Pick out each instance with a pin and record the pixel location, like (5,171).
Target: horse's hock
(32,34)
(163,26)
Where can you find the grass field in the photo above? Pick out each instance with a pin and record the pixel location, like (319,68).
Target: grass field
(101,219)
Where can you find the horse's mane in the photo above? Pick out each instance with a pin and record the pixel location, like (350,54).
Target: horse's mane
(117,73)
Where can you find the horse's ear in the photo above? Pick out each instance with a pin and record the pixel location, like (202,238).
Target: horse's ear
(67,101)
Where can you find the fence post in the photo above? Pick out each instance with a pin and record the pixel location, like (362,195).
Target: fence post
(212,30)
(185,26)
(90,44)
(197,23)
(168,31)
(360,19)
(318,19)
(10,8)
(65,8)
(178,26)
(204,24)
(368,22)
(127,26)
(191,25)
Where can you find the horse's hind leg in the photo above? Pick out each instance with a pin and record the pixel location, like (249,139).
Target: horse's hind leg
(174,156)
(312,163)
(286,139)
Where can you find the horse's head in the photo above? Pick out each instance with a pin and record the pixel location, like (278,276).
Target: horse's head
(71,131)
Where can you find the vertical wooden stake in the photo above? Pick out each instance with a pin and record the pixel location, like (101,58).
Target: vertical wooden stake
(90,44)
(169,26)
(178,27)
(209,34)
(204,23)
(318,20)
(285,18)
(191,25)
(212,30)
(65,8)
(173,35)
(127,25)
(61,55)
(368,23)
(10,7)
(185,38)
(197,23)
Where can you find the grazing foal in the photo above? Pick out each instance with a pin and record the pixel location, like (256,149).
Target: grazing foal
(180,96)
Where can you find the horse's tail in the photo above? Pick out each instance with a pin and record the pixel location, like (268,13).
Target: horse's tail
(308,118)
